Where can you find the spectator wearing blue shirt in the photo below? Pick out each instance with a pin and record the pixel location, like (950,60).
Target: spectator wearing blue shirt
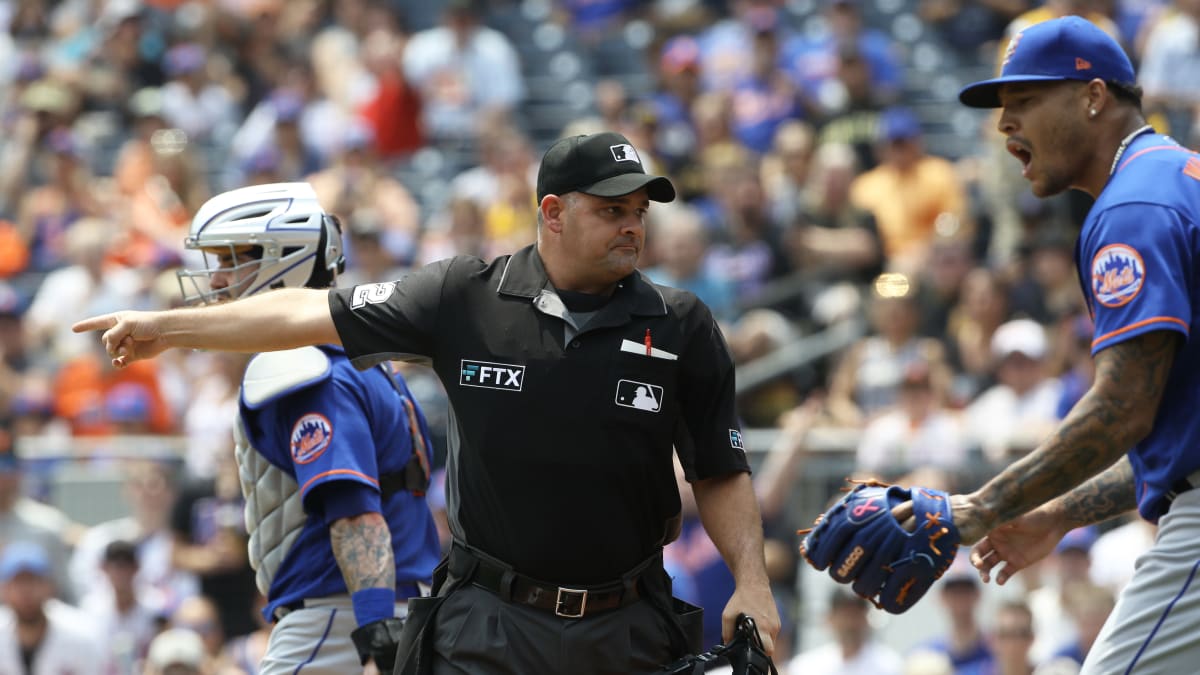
(965,645)
(764,98)
(681,248)
(727,48)
(812,61)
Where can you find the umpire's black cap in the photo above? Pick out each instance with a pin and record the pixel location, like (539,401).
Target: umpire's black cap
(604,164)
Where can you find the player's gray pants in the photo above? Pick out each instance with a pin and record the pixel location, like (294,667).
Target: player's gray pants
(1153,629)
(315,639)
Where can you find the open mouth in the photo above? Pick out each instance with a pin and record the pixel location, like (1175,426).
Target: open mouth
(1021,153)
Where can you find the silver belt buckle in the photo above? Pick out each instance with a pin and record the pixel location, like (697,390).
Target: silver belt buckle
(564,596)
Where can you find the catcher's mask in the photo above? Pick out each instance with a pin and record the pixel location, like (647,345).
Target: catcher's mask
(276,236)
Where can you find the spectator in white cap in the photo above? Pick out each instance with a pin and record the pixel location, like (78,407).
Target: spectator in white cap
(176,651)
(34,637)
(1015,414)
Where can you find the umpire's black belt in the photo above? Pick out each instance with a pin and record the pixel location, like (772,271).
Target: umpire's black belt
(574,602)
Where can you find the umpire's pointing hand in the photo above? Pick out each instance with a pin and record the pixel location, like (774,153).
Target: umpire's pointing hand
(128,336)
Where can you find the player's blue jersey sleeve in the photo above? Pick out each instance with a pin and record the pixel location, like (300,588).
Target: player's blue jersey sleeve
(1136,268)
(328,437)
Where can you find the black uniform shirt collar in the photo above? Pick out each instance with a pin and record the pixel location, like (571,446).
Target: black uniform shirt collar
(525,276)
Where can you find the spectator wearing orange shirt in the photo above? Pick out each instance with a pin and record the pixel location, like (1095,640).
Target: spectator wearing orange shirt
(99,400)
(908,192)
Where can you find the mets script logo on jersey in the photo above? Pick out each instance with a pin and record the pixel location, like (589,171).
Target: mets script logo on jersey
(310,437)
(488,375)
(1118,275)
(639,395)
(371,294)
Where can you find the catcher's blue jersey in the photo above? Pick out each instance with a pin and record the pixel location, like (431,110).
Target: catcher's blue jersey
(350,427)
(1137,259)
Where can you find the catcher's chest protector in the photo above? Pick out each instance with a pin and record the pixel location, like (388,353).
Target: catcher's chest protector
(274,511)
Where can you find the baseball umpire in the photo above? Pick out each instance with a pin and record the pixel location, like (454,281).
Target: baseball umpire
(571,379)
(334,461)
(1072,114)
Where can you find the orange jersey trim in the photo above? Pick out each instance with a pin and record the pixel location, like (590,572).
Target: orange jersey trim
(1139,324)
(1193,168)
(338,472)
(1152,148)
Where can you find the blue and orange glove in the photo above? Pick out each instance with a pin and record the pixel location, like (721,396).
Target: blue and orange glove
(861,543)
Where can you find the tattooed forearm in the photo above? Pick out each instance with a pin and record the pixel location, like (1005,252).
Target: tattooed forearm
(362,545)
(1117,412)
(1106,496)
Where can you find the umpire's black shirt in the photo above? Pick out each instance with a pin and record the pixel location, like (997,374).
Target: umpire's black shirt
(561,435)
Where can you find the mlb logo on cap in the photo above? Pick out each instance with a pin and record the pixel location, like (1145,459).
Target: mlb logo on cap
(1069,48)
(624,152)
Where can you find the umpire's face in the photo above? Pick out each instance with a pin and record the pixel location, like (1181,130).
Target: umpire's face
(601,238)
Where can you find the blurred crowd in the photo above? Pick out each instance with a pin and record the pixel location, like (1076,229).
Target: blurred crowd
(883,275)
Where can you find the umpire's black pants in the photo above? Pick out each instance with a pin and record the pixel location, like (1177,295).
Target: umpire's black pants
(478,633)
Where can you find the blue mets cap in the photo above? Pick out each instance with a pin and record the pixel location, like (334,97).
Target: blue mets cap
(1069,48)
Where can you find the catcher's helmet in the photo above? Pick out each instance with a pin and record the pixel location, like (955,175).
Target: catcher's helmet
(292,241)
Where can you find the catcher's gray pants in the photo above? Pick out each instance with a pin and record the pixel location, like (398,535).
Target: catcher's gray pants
(480,634)
(1153,629)
(315,639)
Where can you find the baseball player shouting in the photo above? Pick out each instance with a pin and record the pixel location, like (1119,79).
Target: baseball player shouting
(1072,115)
(334,461)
